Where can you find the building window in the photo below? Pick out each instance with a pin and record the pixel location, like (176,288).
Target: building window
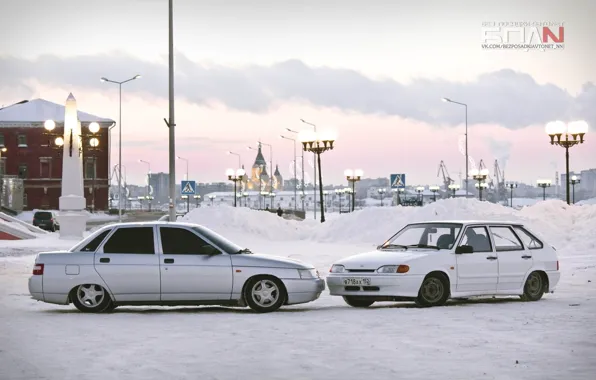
(45,167)
(3,166)
(23,171)
(1,140)
(90,169)
(22,141)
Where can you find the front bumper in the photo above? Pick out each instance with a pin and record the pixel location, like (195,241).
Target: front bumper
(397,285)
(302,291)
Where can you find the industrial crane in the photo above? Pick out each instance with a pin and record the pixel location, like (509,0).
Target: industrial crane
(500,187)
(446,179)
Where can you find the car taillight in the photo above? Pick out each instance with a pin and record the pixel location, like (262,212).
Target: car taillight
(38,269)
(51,219)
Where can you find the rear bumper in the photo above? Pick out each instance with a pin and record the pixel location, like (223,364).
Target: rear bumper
(387,285)
(553,280)
(36,287)
(302,291)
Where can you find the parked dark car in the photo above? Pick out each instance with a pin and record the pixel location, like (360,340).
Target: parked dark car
(46,220)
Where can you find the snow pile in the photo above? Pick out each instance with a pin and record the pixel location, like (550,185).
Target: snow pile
(591,201)
(554,220)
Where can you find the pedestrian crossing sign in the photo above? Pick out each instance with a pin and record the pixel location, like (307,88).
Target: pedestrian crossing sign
(398,181)
(188,188)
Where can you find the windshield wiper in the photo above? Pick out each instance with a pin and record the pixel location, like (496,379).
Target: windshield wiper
(393,246)
(245,250)
(424,246)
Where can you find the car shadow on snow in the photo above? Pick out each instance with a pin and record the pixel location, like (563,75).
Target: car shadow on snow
(451,303)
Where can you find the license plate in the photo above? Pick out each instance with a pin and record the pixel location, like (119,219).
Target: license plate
(359,281)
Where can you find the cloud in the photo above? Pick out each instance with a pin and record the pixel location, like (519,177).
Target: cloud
(506,97)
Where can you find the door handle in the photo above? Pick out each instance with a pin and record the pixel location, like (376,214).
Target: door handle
(491,257)
(104,260)
(526,257)
(168,261)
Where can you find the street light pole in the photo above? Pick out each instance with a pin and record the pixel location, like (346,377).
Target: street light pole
(544,183)
(434,190)
(353,177)
(318,144)
(235,176)
(315,168)
(574,180)
(295,174)
(184,159)
(511,187)
(480,176)
(171,123)
(104,79)
(239,158)
(466,135)
(302,177)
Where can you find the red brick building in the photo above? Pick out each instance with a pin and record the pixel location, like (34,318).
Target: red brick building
(32,155)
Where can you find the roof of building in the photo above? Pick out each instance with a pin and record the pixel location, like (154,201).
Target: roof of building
(28,112)
(260,159)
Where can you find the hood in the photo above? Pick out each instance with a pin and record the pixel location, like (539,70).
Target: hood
(375,259)
(261,260)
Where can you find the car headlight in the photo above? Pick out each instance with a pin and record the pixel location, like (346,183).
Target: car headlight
(393,269)
(308,273)
(335,268)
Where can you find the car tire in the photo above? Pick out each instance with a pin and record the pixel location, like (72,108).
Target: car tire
(53,229)
(358,302)
(91,298)
(533,288)
(264,294)
(434,291)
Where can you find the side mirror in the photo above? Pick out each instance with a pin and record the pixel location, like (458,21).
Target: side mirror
(462,249)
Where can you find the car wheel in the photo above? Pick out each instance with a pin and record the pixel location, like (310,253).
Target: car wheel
(264,294)
(534,287)
(110,308)
(91,298)
(434,291)
(53,229)
(355,302)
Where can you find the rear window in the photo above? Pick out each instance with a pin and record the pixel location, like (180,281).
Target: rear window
(43,215)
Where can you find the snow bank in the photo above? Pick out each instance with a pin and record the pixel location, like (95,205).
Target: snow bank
(557,222)
(591,201)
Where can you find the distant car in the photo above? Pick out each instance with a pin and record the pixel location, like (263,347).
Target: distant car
(167,263)
(432,262)
(47,220)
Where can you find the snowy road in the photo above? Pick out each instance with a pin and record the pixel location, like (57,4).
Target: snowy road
(491,339)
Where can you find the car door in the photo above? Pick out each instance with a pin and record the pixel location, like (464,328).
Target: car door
(192,268)
(477,272)
(514,260)
(128,263)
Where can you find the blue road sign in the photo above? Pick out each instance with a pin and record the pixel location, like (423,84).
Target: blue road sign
(188,188)
(398,181)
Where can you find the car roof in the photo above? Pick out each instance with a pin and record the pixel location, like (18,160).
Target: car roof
(151,223)
(473,221)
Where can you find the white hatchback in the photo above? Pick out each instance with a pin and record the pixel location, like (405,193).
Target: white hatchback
(434,261)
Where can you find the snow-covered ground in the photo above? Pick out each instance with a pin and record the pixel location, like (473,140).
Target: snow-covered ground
(481,339)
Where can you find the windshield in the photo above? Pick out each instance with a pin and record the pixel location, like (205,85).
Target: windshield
(424,235)
(43,215)
(219,240)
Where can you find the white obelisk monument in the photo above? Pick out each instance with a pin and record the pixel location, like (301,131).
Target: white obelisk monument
(72,216)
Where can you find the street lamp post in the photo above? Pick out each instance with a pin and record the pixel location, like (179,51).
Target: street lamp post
(326,193)
(211,198)
(2,150)
(235,176)
(315,168)
(453,187)
(148,181)
(419,190)
(295,174)
(480,176)
(104,79)
(339,192)
(353,176)
(186,160)
(543,183)
(511,186)
(574,180)
(466,135)
(434,190)
(566,136)
(246,200)
(318,144)
(382,194)
(239,158)
(302,164)
(272,196)
(196,197)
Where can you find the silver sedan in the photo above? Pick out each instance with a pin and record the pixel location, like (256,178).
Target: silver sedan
(169,264)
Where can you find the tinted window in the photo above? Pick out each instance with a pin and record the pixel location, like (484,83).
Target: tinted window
(505,239)
(93,244)
(530,241)
(179,241)
(131,240)
(477,238)
(43,215)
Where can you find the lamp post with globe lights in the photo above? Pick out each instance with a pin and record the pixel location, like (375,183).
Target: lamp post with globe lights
(353,176)
(419,190)
(466,135)
(104,79)
(544,183)
(381,194)
(574,180)
(318,143)
(211,198)
(197,197)
(567,136)
(434,190)
(454,187)
(480,176)
(235,176)
(511,186)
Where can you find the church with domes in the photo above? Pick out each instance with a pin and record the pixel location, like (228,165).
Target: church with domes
(260,179)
